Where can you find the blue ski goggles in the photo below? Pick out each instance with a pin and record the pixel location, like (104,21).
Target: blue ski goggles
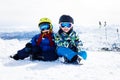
(65,24)
(44,26)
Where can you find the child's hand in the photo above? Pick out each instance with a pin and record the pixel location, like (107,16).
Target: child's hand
(74,48)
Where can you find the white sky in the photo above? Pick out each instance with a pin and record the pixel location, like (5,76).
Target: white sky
(84,12)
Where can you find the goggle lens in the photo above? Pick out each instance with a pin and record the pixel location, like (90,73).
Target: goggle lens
(66,24)
(44,27)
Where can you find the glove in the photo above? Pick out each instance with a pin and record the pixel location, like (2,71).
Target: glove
(74,48)
(15,57)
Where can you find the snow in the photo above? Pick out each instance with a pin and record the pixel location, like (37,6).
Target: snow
(18,23)
(100,65)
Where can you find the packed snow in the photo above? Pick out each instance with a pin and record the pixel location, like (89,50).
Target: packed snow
(18,21)
(100,65)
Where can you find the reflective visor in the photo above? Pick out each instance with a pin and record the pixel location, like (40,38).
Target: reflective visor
(66,24)
(44,26)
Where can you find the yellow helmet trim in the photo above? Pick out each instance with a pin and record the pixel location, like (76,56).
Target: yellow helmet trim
(42,20)
(45,20)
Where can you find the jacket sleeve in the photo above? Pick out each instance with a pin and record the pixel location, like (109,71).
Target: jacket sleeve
(79,43)
(34,40)
(75,41)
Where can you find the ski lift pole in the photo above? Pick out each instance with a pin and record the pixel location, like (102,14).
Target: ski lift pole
(105,30)
(118,33)
(107,42)
(105,33)
(100,24)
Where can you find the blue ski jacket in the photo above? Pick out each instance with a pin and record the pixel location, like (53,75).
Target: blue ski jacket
(47,51)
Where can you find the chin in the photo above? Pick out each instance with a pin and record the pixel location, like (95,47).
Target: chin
(66,31)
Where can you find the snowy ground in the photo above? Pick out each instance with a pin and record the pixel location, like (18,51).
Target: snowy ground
(100,65)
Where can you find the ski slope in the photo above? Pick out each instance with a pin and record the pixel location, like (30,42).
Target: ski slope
(18,23)
(100,65)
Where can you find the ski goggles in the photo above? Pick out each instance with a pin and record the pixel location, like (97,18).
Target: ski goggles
(65,24)
(44,26)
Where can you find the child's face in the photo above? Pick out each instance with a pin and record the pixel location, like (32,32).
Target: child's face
(66,30)
(45,27)
(45,31)
(66,26)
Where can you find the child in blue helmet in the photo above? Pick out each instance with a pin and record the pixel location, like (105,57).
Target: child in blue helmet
(42,46)
(68,43)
